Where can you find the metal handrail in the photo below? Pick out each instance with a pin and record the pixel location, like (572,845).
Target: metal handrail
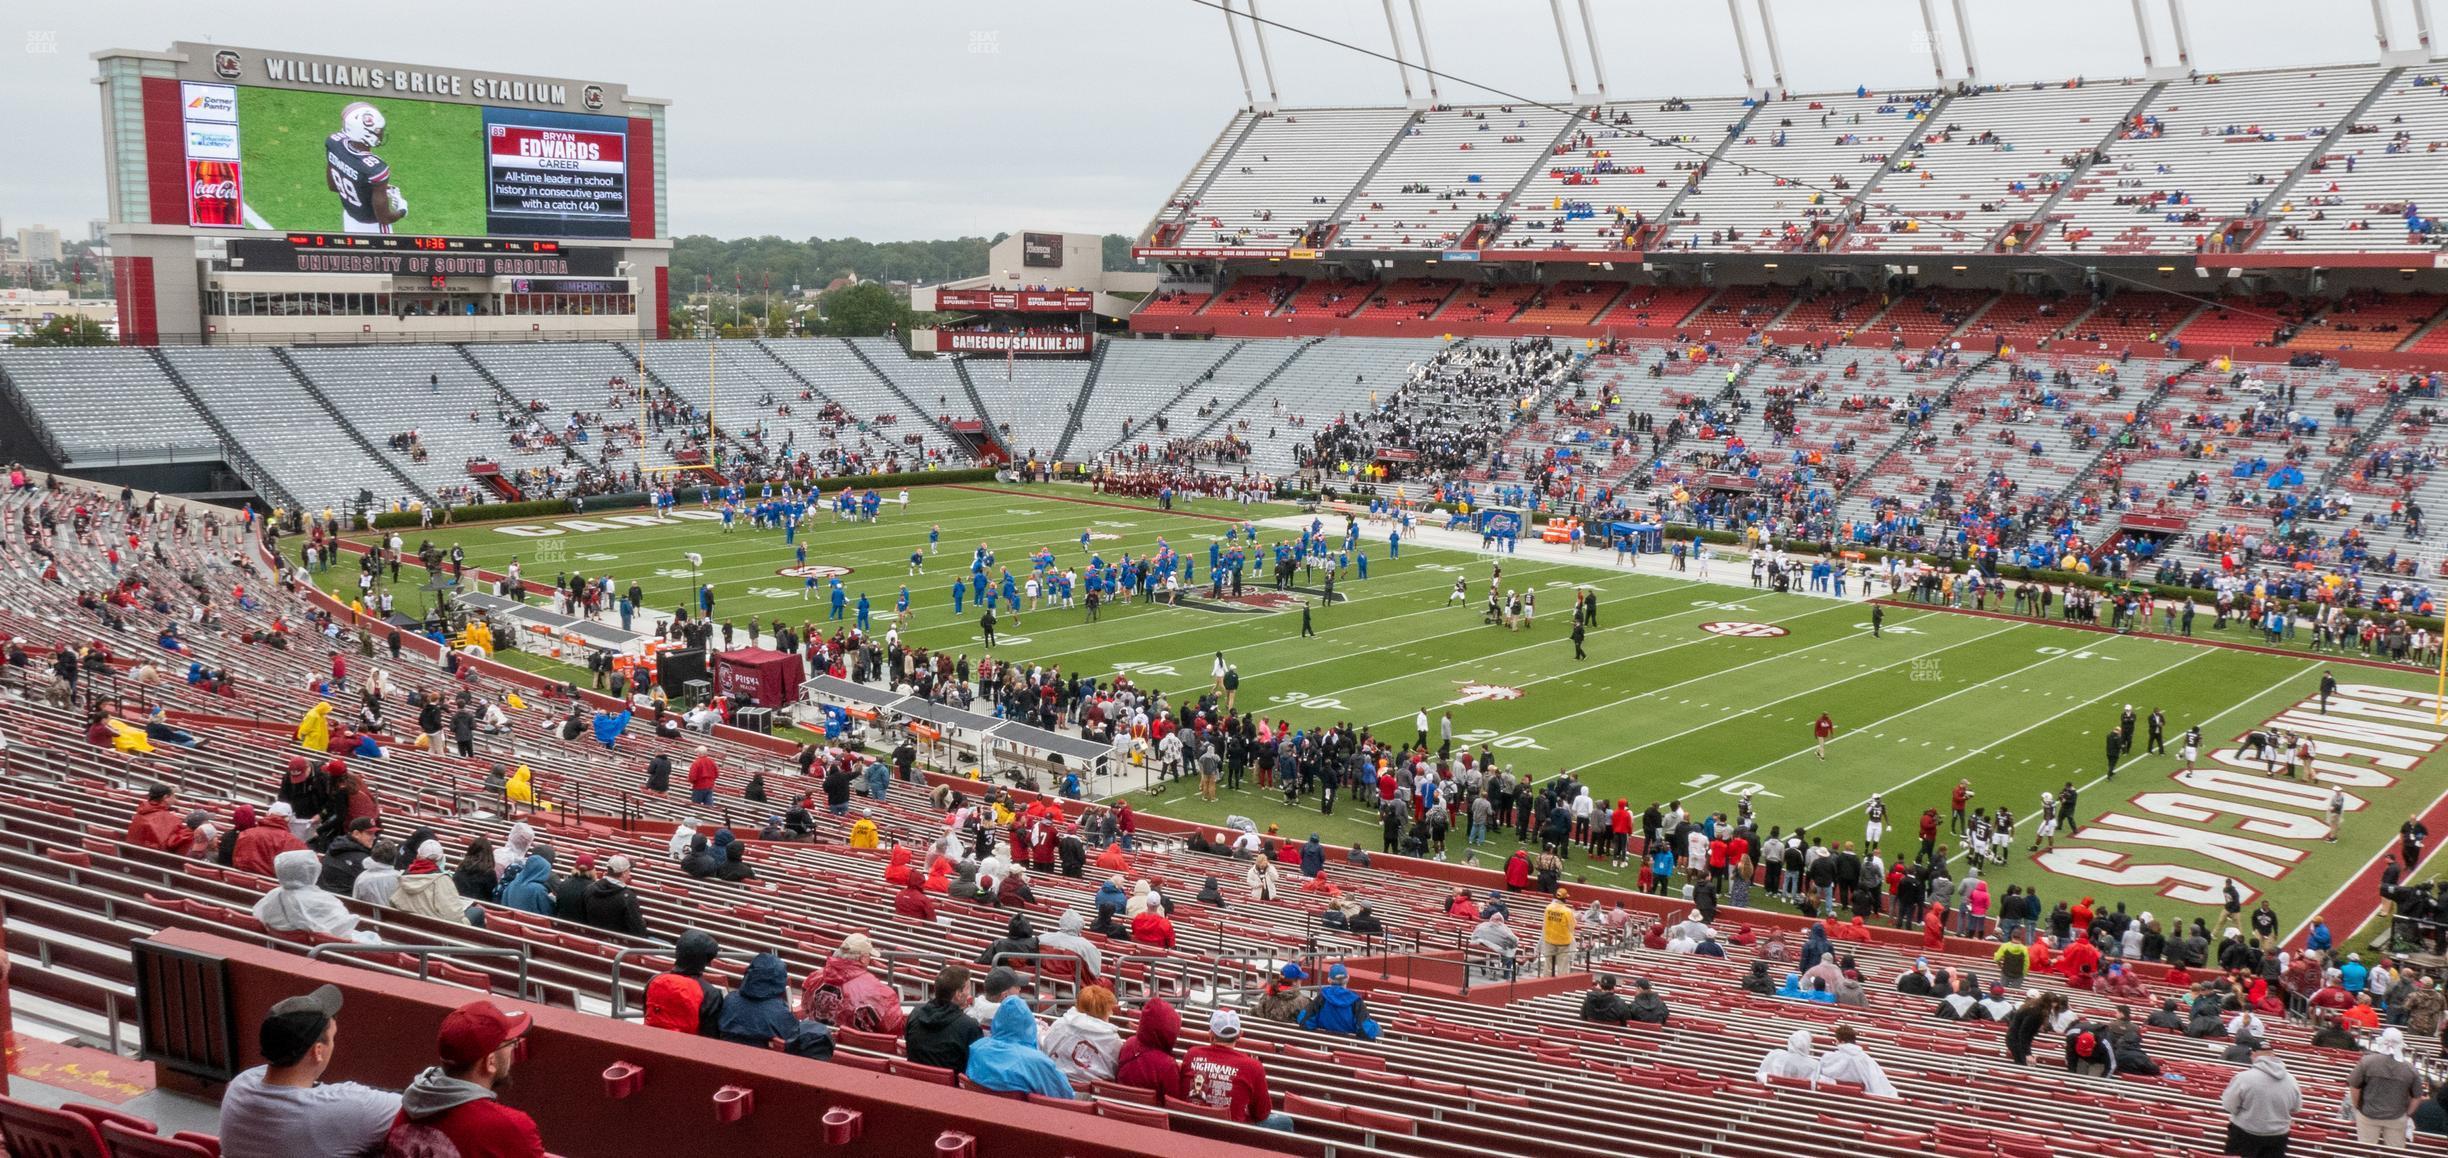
(426,953)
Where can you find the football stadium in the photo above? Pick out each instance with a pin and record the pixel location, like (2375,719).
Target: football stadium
(1593,622)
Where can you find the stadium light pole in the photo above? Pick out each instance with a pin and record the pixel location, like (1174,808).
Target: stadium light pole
(1419,28)
(1572,76)
(1232,32)
(1776,55)
(1742,46)
(1963,33)
(1266,60)
(1589,35)
(1402,64)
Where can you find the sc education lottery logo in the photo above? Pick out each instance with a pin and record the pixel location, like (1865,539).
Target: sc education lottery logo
(813,571)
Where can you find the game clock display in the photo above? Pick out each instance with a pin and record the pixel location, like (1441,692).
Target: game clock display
(298,161)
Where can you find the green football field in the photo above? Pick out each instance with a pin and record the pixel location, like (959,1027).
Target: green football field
(1691,690)
(436,152)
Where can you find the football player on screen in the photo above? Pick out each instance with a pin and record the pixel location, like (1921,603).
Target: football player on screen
(368,201)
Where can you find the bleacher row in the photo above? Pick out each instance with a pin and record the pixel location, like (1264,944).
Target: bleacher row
(858,400)
(1448,1077)
(1274,305)
(2118,166)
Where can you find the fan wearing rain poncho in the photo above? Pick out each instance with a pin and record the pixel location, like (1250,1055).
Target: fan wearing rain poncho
(1008,1059)
(1795,1061)
(299,905)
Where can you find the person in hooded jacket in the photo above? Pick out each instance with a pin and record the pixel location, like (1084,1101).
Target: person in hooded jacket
(298,905)
(2261,1102)
(912,902)
(376,883)
(1020,936)
(267,839)
(1147,1060)
(682,1000)
(1794,1062)
(159,823)
(940,1031)
(1007,1058)
(1068,937)
(1338,1008)
(1312,856)
(760,1013)
(1646,1006)
(425,888)
(735,866)
(700,860)
(1083,1042)
(529,889)
(455,1108)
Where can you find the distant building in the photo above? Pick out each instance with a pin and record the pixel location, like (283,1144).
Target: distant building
(38,243)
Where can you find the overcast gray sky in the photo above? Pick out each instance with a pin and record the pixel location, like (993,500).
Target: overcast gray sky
(935,118)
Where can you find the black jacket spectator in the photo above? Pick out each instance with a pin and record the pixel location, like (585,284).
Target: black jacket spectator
(610,906)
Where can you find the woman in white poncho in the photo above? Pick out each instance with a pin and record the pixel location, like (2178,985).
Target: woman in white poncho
(1794,1061)
(299,905)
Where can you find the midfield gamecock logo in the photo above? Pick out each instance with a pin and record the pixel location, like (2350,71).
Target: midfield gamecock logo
(813,571)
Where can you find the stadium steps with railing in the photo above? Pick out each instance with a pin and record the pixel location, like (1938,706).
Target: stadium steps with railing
(1079,403)
(1223,415)
(502,389)
(2039,218)
(2374,426)
(408,486)
(1860,201)
(890,383)
(977,404)
(636,357)
(232,450)
(2278,193)
(27,440)
(1579,117)
(1402,132)
(2141,414)
(1870,466)
(1233,349)
(1666,215)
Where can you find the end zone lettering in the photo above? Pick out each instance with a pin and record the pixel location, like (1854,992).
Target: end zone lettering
(2248,824)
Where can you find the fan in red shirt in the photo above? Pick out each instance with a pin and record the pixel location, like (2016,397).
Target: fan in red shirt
(451,1110)
(1820,731)
(1220,1076)
(701,774)
(1619,822)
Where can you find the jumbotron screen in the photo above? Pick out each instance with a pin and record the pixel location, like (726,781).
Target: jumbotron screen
(297,160)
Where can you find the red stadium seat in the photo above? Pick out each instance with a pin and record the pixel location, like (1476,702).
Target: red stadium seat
(31,1131)
(129,1143)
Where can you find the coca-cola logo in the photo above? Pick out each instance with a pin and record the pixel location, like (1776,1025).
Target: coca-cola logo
(222,190)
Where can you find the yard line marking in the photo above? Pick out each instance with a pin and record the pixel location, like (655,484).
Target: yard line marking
(1702,638)
(2110,693)
(1781,699)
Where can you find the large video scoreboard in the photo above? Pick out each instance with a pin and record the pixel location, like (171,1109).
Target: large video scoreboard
(252,145)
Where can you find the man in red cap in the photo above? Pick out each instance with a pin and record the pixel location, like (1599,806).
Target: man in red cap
(452,1108)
